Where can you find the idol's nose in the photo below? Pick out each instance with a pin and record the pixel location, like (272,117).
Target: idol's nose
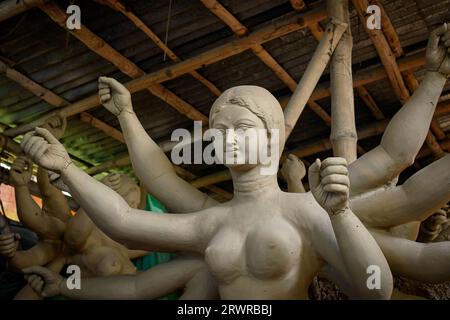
(230,139)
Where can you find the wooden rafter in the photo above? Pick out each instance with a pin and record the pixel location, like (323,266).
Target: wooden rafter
(317,32)
(11,8)
(387,52)
(361,77)
(240,30)
(57,101)
(119,6)
(274,30)
(103,49)
(384,52)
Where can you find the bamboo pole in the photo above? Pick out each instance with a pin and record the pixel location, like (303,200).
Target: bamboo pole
(343,128)
(311,76)
(317,31)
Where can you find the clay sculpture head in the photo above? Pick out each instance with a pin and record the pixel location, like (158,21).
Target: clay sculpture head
(250,123)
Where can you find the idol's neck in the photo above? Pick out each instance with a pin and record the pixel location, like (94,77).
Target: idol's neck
(252,184)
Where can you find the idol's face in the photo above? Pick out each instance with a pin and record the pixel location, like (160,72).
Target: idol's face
(240,137)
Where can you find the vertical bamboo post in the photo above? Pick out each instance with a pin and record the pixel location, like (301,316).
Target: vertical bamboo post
(343,128)
(312,74)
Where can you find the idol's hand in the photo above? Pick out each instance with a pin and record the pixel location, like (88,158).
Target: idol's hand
(45,150)
(329,183)
(114,96)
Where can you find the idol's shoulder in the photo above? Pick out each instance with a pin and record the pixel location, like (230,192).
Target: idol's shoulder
(301,208)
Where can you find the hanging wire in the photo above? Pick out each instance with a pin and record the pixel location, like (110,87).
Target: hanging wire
(167,28)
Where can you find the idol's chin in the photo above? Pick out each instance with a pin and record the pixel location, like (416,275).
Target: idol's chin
(240,167)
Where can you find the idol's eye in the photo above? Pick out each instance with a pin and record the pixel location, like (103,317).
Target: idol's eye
(243,127)
(221,130)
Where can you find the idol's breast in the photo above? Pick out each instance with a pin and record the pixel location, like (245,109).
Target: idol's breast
(266,250)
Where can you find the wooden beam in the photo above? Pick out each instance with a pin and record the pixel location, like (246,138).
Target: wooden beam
(32,86)
(389,30)
(119,6)
(370,102)
(442,108)
(117,162)
(223,14)
(240,30)
(53,99)
(384,52)
(361,77)
(389,61)
(99,46)
(275,30)
(11,8)
(102,126)
(298,5)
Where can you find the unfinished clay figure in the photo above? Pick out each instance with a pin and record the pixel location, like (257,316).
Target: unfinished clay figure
(259,263)
(65,239)
(375,170)
(293,170)
(48,222)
